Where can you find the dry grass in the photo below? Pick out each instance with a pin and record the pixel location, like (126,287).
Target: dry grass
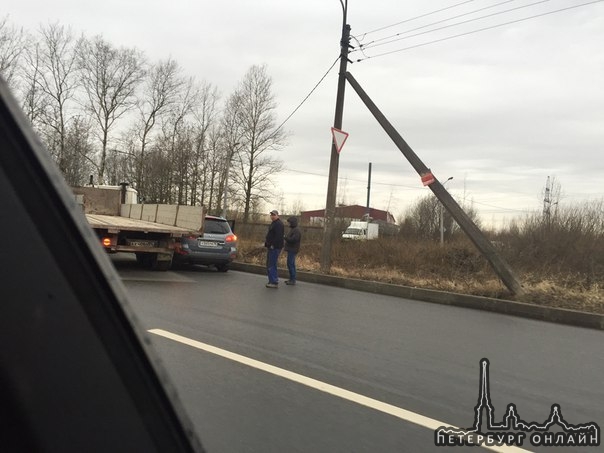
(457,268)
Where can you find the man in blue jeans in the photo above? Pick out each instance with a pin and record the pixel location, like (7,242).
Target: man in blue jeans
(292,247)
(273,244)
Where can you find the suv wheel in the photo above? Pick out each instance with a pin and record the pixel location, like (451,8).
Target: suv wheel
(222,267)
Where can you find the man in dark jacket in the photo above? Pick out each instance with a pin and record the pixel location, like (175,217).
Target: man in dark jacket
(273,244)
(292,247)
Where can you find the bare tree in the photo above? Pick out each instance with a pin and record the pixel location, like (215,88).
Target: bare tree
(297,207)
(422,220)
(158,169)
(162,84)
(78,139)
(122,163)
(204,121)
(178,134)
(254,164)
(34,101)
(57,82)
(110,78)
(13,42)
(213,170)
(231,138)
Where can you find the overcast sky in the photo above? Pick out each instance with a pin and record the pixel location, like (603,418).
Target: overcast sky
(499,110)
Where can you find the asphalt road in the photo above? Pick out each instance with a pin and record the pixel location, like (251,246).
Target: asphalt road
(313,368)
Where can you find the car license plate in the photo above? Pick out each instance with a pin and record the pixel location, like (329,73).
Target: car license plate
(207,244)
(142,243)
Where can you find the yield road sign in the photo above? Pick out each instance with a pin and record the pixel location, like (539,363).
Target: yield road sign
(339,138)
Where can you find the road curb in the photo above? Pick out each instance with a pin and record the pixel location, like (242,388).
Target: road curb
(549,314)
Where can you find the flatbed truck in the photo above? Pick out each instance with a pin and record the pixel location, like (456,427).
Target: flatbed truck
(150,231)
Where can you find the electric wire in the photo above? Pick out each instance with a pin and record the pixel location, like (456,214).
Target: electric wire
(344,178)
(368,46)
(306,98)
(415,18)
(360,46)
(446,38)
(500,208)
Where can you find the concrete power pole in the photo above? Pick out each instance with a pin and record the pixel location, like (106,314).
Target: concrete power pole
(332,185)
(503,270)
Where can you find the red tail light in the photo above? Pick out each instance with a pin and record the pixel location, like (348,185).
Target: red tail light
(230,238)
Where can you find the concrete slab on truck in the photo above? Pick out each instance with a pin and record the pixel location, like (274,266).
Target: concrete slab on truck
(124,223)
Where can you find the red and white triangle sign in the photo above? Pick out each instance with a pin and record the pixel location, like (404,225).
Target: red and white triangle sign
(339,138)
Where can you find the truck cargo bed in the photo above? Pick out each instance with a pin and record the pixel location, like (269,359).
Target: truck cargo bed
(117,223)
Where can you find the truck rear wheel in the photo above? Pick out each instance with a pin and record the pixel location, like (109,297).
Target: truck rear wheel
(161,266)
(158,264)
(144,259)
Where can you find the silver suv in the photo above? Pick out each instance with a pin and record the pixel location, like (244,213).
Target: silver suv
(216,247)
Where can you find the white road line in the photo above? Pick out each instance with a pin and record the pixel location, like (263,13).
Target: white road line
(386,408)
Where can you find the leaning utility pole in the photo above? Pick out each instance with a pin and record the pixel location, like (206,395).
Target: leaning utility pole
(332,185)
(503,270)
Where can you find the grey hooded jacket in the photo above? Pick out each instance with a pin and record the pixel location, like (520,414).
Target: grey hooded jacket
(293,236)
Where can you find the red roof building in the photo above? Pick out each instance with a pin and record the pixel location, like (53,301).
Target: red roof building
(354,212)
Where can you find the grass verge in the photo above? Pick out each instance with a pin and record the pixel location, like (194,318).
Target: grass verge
(456,268)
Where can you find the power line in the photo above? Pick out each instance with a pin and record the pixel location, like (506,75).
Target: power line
(458,23)
(371,44)
(344,178)
(481,29)
(291,170)
(499,208)
(307,96)
(416,17)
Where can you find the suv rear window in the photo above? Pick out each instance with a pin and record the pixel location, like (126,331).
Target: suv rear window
(213,226)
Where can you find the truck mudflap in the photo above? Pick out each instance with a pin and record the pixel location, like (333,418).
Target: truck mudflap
(155,261)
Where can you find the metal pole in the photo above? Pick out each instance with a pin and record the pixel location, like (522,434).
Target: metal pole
(442,228)
(368,189)
(332,185)
(442,213)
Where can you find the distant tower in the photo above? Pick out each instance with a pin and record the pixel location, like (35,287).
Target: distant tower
(547,201)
